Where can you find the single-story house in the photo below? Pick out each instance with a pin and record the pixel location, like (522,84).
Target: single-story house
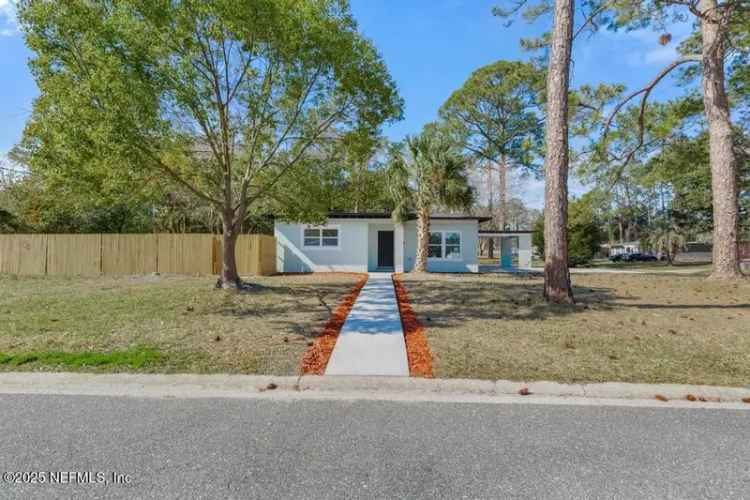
(362,242)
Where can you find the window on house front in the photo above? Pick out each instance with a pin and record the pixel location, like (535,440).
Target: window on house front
(445,245)
(452,246)
(321,237)
(435,248)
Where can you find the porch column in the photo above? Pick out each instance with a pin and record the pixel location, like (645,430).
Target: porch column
(398,248)
(524,250)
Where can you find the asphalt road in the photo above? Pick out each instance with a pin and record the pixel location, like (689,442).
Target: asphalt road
(260,448)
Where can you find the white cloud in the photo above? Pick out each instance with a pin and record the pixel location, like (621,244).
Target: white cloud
(661,55)
(642,47)
(8,22)
(657,56)
(532,191)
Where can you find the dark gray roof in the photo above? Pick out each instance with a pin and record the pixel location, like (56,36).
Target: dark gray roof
(506,231)
(387,215)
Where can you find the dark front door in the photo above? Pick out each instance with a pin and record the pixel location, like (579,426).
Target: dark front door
(385,248)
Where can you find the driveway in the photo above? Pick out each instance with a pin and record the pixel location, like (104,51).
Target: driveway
(287,448)
(496,268)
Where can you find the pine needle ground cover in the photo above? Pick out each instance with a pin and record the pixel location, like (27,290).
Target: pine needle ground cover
(632,328)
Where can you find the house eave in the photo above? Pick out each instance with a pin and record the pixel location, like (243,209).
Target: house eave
(385,215)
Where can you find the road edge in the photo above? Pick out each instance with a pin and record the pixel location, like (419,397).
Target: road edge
(381,388)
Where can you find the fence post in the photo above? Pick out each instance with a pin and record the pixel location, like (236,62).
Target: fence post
(216,252)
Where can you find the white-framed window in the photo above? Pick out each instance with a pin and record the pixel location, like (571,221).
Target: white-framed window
(435,248)
(444,245)
(321,237)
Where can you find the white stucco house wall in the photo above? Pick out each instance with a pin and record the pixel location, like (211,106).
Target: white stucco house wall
(365,242)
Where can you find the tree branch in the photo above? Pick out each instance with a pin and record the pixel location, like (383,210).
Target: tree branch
(590,19)
(646,91)
(321,128)
(174,175)
(295,116)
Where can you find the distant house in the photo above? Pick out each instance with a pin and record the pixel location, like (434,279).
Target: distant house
(362,242)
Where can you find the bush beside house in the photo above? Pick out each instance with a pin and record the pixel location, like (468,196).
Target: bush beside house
(584,234)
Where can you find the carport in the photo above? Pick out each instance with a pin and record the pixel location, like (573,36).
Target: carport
(511,249)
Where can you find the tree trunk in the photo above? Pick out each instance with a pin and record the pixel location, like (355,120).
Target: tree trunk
(423,239)
(491,247)
(229,276)
(723,162)
(557,287)
(668,251)
(502,185)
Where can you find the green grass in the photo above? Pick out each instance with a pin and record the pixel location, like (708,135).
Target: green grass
(136,358)
(100,324)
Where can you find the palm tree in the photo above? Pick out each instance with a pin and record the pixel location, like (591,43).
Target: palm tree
(431,173)
(668,239)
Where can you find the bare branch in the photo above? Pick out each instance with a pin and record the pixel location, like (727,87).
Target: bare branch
(13,170)
(646,91)
(295,116)
(176,176)
(591,19)
(321,128)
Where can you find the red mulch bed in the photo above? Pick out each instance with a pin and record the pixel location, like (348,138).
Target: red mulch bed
(316,358)
(417,348)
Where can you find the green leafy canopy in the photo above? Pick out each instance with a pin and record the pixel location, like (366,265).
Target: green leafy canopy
(220,99)
(498,113)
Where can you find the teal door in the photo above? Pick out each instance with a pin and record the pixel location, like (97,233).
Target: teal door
(506,252)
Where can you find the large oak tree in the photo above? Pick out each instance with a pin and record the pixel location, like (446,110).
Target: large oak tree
(224,99)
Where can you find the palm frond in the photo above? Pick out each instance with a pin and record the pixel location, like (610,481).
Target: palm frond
(434,173)
(398,186)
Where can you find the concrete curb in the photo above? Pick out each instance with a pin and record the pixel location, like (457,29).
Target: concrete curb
(238,386)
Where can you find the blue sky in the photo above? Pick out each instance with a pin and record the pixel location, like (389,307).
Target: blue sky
(430,47)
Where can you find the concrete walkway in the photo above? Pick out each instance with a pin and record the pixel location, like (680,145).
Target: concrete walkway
(372,340)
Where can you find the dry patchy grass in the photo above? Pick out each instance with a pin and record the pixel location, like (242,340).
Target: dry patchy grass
(163,323)
(703,268)
(635,328)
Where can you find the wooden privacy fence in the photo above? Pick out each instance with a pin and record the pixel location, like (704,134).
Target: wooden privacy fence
(120,254)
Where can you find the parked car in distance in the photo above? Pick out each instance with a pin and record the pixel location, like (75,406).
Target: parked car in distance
(640,257)
(633,257)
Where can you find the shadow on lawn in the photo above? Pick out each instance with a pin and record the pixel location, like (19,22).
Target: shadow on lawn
(520,299)
(278,305)
(448,302)
(687,306)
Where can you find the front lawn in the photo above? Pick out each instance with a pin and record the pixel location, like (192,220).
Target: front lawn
(163,323)
(634,328)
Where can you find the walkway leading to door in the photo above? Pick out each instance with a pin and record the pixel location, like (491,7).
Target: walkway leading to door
(371,341)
